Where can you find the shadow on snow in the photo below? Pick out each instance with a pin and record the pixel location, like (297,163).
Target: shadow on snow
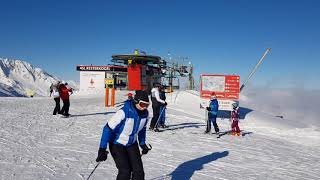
(187,169)
(227,114)
(182,126)
(92,114)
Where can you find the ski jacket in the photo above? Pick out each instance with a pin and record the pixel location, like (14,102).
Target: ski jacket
(235,114)
(64,92)
(125,127)
(162,95)
(155,97)
(214,106)
(54,90)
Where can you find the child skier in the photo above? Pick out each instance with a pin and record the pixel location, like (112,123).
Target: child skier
(235,120)
(212,114)
(122,132)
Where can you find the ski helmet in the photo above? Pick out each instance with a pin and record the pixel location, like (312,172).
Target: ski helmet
(141,95)
(234,105)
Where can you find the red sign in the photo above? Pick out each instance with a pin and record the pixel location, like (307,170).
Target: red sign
(225,86)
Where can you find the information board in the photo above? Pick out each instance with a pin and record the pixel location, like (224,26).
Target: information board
(226,88)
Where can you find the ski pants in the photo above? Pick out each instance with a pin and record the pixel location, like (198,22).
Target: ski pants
(235,127)
(57,108)
(156,113)
(212,119)
(128,161)
(65,107)
(162,116)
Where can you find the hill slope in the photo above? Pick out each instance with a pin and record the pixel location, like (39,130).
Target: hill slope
(37,145)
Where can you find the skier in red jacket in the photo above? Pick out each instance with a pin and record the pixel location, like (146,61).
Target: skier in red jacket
(64,95)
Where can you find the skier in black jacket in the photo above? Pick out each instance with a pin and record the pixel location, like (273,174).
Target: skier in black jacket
(162,116)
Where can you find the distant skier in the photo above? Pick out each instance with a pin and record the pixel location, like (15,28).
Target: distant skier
(212,114)
(162,115)
(156,103)
(122,132)
(130,96)
(64,95)
(235,119)
(54,91)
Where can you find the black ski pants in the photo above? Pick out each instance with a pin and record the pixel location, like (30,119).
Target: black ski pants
(213,120)
(156,113)
(128,161)
(65,107)
(57,108)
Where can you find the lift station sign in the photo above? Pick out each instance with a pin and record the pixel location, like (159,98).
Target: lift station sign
(226,88)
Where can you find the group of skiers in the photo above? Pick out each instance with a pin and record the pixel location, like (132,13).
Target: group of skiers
(159,104)
(60,90)
(213,113)
(125,132)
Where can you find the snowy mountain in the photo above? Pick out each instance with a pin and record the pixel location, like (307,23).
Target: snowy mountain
(19,78)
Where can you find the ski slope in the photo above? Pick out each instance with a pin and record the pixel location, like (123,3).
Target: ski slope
(37,145)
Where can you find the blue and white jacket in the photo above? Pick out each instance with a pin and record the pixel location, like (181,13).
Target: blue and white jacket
(125,127)
(214,105)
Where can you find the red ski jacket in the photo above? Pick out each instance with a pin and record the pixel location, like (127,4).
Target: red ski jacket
(64,92)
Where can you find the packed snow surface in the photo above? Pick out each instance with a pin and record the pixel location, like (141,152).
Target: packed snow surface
(37,145)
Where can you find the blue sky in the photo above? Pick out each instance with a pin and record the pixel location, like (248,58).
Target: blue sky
(217,36)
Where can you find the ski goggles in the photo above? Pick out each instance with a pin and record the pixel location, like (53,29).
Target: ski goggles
(143,104)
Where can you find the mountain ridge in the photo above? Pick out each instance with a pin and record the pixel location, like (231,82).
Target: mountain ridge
(19,78)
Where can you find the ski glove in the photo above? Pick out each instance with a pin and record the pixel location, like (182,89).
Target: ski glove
(165,104)
(208,108)
(145,149)
(102,155)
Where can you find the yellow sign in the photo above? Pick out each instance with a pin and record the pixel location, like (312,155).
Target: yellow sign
(109,81)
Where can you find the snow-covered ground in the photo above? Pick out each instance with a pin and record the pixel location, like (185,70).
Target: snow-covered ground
(37,145)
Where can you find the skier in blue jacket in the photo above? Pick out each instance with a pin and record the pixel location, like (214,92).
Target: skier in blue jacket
(212,114)
(122,132)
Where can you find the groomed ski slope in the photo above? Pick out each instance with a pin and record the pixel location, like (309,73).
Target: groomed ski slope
(37,145)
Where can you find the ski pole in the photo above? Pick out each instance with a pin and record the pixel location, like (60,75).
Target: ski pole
(93,170)
(159,117)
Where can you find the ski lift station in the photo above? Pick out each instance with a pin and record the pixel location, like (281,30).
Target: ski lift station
(128,71)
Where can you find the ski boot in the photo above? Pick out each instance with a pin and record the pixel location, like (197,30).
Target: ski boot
(164,126)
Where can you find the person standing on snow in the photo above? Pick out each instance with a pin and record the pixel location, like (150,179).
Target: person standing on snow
(54,91)
(122,132)
(162,117)
(212,114)
(156,103)
(64,95)
(235,119)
